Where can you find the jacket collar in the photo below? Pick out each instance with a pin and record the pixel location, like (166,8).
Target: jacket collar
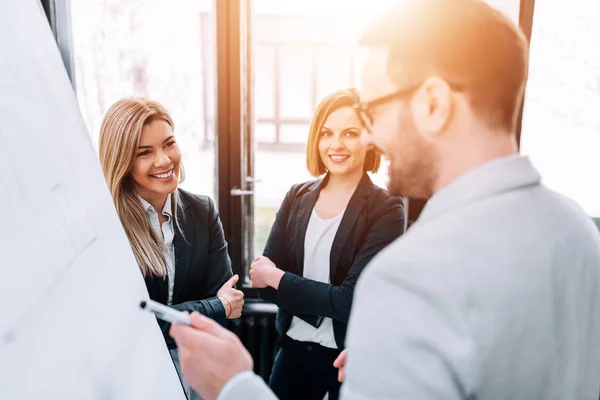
(353,209)
(166,211)
(501,175)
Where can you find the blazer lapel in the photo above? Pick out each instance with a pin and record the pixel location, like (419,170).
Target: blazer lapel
(353,210)
(183,248)
(304,212)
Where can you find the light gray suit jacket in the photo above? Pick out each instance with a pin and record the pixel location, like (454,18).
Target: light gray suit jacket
(494,293)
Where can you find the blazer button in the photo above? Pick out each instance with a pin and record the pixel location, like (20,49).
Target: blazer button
(308,347)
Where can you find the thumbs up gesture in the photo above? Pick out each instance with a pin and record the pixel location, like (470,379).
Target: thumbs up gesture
(232,299)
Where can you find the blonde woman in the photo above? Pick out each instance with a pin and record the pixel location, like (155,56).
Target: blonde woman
(325,233)
(176,236)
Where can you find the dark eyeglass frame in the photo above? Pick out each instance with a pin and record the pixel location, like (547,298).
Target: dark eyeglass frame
(363,109)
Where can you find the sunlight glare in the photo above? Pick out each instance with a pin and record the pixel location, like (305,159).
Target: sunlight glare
(349,18)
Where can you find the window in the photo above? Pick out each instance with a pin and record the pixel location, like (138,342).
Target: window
(561,122)
(165,53)
(302,52)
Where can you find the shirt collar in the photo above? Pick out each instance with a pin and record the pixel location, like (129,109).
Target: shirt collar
(500,175)
(166,211)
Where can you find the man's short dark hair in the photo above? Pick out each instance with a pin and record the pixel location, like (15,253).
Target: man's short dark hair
(463,41)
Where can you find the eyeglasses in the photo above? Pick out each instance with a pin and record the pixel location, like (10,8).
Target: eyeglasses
(364,110)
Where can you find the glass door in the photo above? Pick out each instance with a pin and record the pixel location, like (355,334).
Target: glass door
(301,51)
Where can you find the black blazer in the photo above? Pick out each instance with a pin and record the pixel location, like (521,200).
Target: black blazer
(202,264)
(372,220)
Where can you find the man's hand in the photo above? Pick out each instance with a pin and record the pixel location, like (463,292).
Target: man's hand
(210,355)
(339,363)
(232,299)
(263,273)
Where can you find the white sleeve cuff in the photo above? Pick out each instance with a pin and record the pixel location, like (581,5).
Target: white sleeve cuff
(242,376)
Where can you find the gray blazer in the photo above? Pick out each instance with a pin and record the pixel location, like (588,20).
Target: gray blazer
(494,293)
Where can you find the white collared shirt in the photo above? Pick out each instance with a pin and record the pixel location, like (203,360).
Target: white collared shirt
(167,233)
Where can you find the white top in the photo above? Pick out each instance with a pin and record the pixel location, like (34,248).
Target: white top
(166,232)
(317,249)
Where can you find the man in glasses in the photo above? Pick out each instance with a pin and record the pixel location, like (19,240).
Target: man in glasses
(494,293)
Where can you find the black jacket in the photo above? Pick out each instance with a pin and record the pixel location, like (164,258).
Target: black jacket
(202,264)
(372,220)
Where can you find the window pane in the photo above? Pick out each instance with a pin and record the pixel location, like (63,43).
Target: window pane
(561,125)
(293,133)
(295,86)
(166,54)
(265,133)
(333,69)
(264,67)
(358,61)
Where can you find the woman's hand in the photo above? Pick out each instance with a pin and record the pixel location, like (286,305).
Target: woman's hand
(340,363)
(232,299)
(264,273)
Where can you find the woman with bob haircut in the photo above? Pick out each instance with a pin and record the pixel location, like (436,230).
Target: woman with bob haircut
(176,236)
(325,233)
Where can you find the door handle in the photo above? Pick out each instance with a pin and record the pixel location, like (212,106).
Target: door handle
(241,192)
(250,179)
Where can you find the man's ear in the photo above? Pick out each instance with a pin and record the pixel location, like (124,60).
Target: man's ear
(432,106)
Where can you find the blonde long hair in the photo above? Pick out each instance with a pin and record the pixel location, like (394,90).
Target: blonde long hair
(120,135)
